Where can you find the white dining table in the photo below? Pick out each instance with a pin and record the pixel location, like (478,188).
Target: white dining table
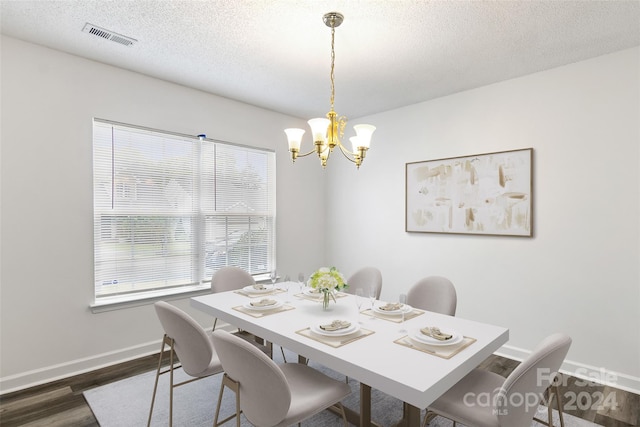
(415,377)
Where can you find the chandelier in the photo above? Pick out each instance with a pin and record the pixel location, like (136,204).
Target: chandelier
(327,132)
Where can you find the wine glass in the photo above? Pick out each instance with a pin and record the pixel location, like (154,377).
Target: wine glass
(285,283)
(301,281)
(273,276)
(402,299)
(372,297)
(359,300)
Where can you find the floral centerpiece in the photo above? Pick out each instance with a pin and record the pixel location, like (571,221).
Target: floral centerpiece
(327,280)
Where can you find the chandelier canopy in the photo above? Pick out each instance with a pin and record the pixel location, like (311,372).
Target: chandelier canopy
(327,132)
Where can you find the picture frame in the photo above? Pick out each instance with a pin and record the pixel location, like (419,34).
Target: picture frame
(486,194)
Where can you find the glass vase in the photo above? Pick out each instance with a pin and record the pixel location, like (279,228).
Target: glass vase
(325,300)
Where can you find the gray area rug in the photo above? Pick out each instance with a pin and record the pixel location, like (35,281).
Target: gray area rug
(126,403)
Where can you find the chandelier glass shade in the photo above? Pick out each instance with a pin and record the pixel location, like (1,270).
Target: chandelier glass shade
(327,132)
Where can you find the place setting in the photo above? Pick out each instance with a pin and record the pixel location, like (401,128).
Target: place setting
(396,312)
(259,290)
(314,294)
(441,342)
(263,307)
(335,333)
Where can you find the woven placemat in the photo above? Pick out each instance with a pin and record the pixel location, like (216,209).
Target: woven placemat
(263,313)
(319,297)
(393,317)
(446,352)
(336,342)
(264,294)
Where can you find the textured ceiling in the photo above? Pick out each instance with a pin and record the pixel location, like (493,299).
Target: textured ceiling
(276,54)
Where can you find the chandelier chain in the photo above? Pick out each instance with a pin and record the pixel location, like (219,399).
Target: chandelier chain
(333,60)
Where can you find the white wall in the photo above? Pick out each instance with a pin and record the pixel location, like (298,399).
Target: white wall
(48,101)
(580,273)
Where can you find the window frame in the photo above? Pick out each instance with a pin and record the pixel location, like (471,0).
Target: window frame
(198,238)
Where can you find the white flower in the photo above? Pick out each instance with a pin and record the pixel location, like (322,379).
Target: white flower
(327,280)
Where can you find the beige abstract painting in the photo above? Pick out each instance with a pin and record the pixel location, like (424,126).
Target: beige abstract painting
(478,194)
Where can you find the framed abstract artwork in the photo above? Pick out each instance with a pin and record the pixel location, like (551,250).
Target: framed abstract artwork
(488,194)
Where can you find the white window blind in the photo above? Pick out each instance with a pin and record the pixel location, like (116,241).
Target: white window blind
(169,210)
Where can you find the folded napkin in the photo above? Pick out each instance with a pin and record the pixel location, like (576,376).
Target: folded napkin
(263,302)
(434,332)
(336,325)
(259,287)
(392,306)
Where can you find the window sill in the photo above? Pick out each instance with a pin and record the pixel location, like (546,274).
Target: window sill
(119,302)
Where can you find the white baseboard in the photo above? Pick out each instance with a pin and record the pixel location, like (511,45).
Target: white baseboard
(48,374)
(585,372)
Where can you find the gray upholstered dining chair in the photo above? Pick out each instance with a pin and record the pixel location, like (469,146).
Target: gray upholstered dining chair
(365,278)
(232,278)
(485,399)
(190,343)
(272,395)
(434,293)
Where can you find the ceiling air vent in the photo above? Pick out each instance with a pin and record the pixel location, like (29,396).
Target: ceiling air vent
(109,35)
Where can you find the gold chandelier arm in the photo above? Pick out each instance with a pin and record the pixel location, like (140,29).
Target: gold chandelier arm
(306,154)
(346,153)
(357,157)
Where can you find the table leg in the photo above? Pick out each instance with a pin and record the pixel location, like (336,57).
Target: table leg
(410,416)
(363,418)
(365,405)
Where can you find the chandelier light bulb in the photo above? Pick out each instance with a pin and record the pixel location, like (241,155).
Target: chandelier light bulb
(364,132)
(294,136)
(319,129)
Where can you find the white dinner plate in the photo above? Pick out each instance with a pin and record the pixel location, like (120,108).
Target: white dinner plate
(312,291)
(406,308)
(355,327)
(263,308)
(250,289)
(425,339)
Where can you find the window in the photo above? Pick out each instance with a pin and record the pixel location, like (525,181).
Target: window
(170,210)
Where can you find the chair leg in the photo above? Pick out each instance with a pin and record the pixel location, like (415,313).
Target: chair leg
(283,356)
(428,417)
(559,401)
(171,386)
(344,414)
(553,391)
(238,410)
(235,387)
(155,385)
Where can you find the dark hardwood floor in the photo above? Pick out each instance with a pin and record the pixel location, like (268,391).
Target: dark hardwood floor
(61,403)
(599,404)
